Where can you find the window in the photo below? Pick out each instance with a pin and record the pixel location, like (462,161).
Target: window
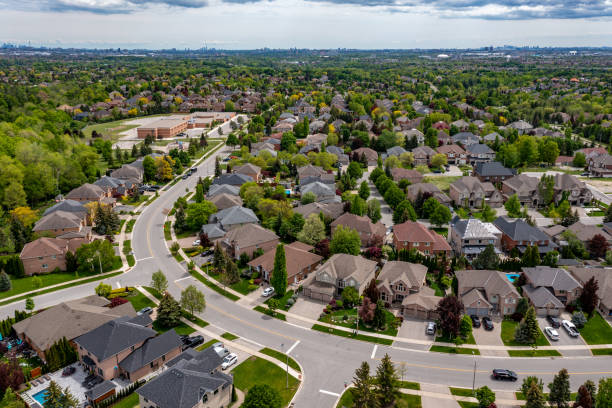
(427,244)
(45,266)
(54,256)
(415,244)
(426,252)
(100,371)
(132,348)
(400,287)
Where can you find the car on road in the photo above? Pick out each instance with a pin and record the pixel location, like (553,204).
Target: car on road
(551,333)
(155,187)
(68,371)
(487,323)
(555,322)
(475,321)
(502,374)
(145,310)
(269,291)
(430,329)
(570,328)
(229,361)
(185,176)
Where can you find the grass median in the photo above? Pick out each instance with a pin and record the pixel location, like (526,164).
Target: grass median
(281,357)
(454,350)
(349,334)
(276,315)
(214,287)
(534,353)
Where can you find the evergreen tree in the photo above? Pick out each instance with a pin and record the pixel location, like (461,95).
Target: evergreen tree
(363,394)
(535,396)
(168,312)
(387,385)
(487,259)
(560,390)
(528,332)
(279,274)
(179,220)
(364,190)
(217,167)
(199,194)
(218,258)
(5,282)
(29,304)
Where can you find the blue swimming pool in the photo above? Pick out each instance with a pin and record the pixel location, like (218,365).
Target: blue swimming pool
(512,276)
(41,397)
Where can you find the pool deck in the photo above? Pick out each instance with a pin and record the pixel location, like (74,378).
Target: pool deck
(73,382)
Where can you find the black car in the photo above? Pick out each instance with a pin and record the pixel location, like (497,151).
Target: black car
(94,382)
(185,176)
(501,374)
(554,321)
(488,324)
(68,371)
(475,321)
(194,341)
(155,187)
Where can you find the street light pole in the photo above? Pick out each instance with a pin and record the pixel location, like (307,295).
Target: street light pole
(474,377)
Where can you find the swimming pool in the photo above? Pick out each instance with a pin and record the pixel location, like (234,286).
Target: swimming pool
(41,397)
(512,277)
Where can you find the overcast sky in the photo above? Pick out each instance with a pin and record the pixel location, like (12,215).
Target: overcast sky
(243,24)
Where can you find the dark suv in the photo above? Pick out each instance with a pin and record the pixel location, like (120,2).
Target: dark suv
(475,321)
(501,374)
(554,321)
(488,324)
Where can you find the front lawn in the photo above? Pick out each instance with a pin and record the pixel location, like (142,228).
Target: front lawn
(534,353)
(181,329)
(454,350)
(602,352)
(167,233)
(243,286)
(154,292)
(130,226)
(139,300)
(507,335)
(282,301)
(26,284)
(597,330)
(462,392)
(442,182)
(403,401)
(266,311)
(281,357)
(131,401)
(343,333)
(254,371)
(337,317)
(445,339)
(206,345)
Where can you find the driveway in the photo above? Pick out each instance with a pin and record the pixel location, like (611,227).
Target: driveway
(489,338)
(564,338)
(308,308)
(414,329)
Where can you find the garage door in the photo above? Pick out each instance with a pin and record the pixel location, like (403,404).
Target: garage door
(476,311)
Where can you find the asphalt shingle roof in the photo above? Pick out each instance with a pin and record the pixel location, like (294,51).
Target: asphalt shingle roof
(151,350)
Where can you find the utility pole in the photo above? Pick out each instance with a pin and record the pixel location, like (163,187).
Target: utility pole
(99,261)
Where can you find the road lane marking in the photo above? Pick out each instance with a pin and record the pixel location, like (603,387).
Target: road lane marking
(253,342)
(144,259)
(333,394)
(186,277)
(292,347)
(118,285)
(374,351)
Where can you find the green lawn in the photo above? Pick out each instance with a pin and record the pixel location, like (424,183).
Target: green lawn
(602,352)
(342,333)
(445,339)
(466,404)
(442,182)
(130,401)
(22,285)
(181,329)
(462,392)
(403,401)
(442,231)
(281,357)
(507,335)
(111,130)
(534,353)
(454,350)
(259,371)
(521,397)
(436,287)
(229,336)
(282,301)
(214,287)
(193,319)
(597,213)
(167,233)
(409,385)
(139,301)
(597,330)
(336,317)
(243,286)
(154,292)
(206,345)
(130,226)
(266,311)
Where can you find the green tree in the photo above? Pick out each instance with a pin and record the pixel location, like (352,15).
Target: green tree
(373,210)
(308,197)
(364,190)
(527,331)
(604,393)
(404,212)
(262,396)
(487,259)
(431,138)
(193,300)
(149,168)
(36,282)
(58,398)
(485,396)
(198,214)
(354,170)
(579,160)
(219,258)
(199,194)
(363,394)
(387,382)
(488,214)
(379,320)
(534,397)
(29,304)
(5,282)
(232,140)
(560,390)
(159,281)
(345,240)
(313,230)
(103,289)
(288,141)
(546,188)
(278,280)
(440,216)
(439,160)
(350,297)
(513,206)
(168,312)
(429,206)
(10,400)
(465,327)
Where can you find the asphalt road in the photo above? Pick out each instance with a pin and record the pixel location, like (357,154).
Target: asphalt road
(328,361)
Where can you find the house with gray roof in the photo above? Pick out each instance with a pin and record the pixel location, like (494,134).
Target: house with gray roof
(232,179)
(603,277)
(428,190)
(343,158)
(465,138)
(521,126)
(247,239)
(394,151)
(486,292)
(517,233)
(479,153)
(69,206)
(87,192)
(470,192)
(526,189)
(59,222)
(331,210)
(576,191)
(420,137)
(233,217)
(470,237)
(492,137)
(556,281)
(493,172)
(325,193)
(213,231)
(216,189)
(224,200)
(132,171)
(149,357)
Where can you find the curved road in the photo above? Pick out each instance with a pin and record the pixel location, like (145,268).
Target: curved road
(328,361)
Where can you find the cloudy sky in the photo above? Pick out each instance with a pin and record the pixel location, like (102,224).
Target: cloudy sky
(248,24)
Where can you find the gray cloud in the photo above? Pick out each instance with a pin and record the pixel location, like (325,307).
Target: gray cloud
(97,6)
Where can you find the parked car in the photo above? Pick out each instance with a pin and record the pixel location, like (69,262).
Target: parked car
(551,333)
(430,329)
(155,187)
(555,322)
(268,291)
(502,374)
(229,361)
(68,371)
(97,380)
(570,328)
(196,243)
(185,176)
(488,324)
(193,170)
(207,252)
(195,341)
(221,351)
(145,310)
(475,321)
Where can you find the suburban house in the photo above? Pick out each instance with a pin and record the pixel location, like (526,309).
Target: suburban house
(526,189)
(368,231)
(88,192)
(300,262)
(248,238)
(69,206)
(410,133)
(422,155)
(45,255)
(232,179)
(370,155)
(413,176)
(116,187)
(59,223)
(234,217)
(191,380)
(603,276)
(311,174)
(586,232)
(343,158)
(465,138)
(470,237)
(104,349)
(394,151)
(130,171)
(249,170)
(521,126)
(471,192)
(224,200)
(216,189)
(454,153)
(494,172)
(550,289)
(340,271)
(600,166)
(579,193)
(486,293)
(324,193)
(414,235)
(479,153)
(69,319)
(426,190)
(517,233)
(212,231)
(330,210)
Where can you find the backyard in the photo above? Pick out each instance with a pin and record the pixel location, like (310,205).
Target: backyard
(255,371)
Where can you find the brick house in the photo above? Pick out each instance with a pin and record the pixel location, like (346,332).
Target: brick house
(44,255)
(427,190)
(300,262)
(250,170)
(557,282)
(371,155)
(414,235)
(368,231)
(422,155)
(454,153)
(87,192)
(517,233)
(525,188)
(485,292)
(470,192)
(493,172)
(247,239)
(59,223)
(603,276)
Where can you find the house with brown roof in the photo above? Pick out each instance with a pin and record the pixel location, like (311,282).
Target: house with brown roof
(579,193)
(517,233)
(470,192)
(426,190)
(600,166)
(454,153)
(414,235)
(371,155)
(413,176)
(340,271)
(58,223)
(603,276)
(422,155)
(45,255)
(586,232)
(87,192)
(69,319)
(368,231)
(486,292)
(224,200)
(248,238)
(300,262)
(251,170)
(526,189)
(330,210)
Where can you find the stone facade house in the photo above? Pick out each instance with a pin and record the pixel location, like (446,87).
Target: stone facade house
(428,190)
(299,260)
(368,231)
(486,292)
(454,153)
(414,235)
(470,192)
(600,166)
(579,193)
(422,155)
(87,192)
(247,239)
(526,189)
(517,233)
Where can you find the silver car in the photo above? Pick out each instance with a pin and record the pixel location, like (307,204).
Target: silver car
(570,328)
(551,333)
(431,329)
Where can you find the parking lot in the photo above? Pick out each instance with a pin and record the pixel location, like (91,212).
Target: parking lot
(564,338)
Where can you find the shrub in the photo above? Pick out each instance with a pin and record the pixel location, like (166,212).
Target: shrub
(579,319)
(117,301)
(257,281)
(339,304)
(252,287)
(290,302)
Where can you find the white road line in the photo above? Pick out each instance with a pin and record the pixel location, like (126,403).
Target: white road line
(143,259)
(186,277)
(333,394)
(374,351)
(292,347)
(118,285)
(253,342)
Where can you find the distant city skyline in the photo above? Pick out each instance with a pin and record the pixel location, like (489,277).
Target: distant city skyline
(246,24)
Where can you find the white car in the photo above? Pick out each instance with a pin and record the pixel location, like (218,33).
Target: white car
(196,243)
(570,328)
(221,351)
(551,333)
(268,291)
(229,361)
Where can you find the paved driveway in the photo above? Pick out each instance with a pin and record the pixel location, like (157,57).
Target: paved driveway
(414,329)
(564,338)
(309,308)
(490,338)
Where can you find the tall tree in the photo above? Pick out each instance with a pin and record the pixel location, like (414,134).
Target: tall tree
(262,396)
(604,393)
(487,259)
(589,298)
(371,291)
(159,281)
(364,190)
(193,300)
(534,397)
(560,390)
(168,312)
(583,399)
(387,382)
(363,394)
(5,282)
(279,273)
(513,206)
(345,240)
(313,230)
(528,332)
(450,309)
(598,246)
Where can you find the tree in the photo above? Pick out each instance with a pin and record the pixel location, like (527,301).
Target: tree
(608,216)
(10,400)
(5,282)
(366,311)
(371,291)
(168,312)
(193,300)
(364,190)
(579,160)
(379,320)
(487,259)
(313,230)
(373,210)
(598,246)
(387,382)
(534,396)
(232,140)
(579,319)
(217,166)
(584,398)
(219,258)
(350,297)
(58,398)
(179,219)
(11,375)
(198,214)
(354,170)
(488,214)
(99,253)
(431,138)
(232,274)
(287,141)
(485,396)
(513,206)
(429,206)
(440,216)
(450,309)
(149,168)
(589,298)
(394,196)
(308,197)
(465,328)
(604,393)
(527,331)
(404,212)
(363,394)
(439,160)
(278,280)
(29,304)
(103,289)
(262,396)
(159,281)
(345,240)
(560,390)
